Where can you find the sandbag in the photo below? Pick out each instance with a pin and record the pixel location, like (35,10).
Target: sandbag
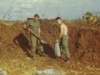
(57,49)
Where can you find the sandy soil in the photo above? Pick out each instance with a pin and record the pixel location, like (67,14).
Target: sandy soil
(84,45)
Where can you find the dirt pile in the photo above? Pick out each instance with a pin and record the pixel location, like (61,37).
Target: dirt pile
(50,31)
(84,45)
(84,41)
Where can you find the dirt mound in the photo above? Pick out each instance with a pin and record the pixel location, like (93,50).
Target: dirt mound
(84,41)
(84,45)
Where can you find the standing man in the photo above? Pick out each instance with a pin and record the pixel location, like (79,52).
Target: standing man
(33,26)
(63,38)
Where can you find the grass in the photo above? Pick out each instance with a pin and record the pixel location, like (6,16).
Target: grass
(8,23)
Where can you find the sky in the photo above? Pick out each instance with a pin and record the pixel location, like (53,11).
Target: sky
(67,9)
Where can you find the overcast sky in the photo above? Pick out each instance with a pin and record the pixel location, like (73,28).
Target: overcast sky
(67,9)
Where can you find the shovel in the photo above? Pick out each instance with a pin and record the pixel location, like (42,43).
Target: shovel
(42,41)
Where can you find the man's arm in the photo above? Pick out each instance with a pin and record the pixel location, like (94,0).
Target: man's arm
(60,35)
(24,26)
(39,32)
(61,32)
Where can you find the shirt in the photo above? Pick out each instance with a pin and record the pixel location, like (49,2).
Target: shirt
(33,25)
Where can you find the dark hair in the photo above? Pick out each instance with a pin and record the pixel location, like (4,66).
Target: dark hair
(58,18)
(36,15)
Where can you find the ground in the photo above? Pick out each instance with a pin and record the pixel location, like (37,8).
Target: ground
(84,45)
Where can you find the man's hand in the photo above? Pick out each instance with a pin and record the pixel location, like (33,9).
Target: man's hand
(57,40)
(30,30)
(44,42)
(24,26)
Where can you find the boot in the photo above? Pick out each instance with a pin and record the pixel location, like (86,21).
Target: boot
(68,61)
(43,54)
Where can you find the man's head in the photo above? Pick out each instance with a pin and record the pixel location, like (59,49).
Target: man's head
(36,17)
(59,21)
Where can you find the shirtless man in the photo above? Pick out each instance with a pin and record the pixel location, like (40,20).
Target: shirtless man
(63,38)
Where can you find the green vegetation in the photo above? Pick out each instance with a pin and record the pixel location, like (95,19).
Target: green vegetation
(8,23)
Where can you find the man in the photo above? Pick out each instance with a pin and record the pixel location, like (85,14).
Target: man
(63,38)
(33,26)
